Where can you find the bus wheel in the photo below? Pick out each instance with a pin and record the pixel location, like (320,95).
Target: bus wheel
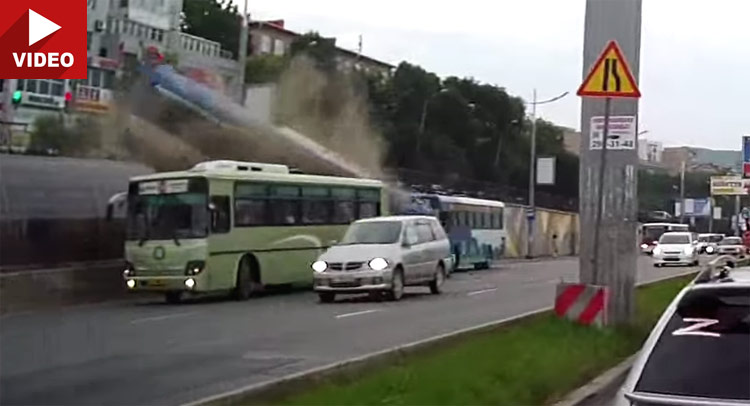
(248,280)
(173,297)
(436,285)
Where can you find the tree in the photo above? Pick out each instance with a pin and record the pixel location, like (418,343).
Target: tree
(320,49)
(265,68)
(217,20)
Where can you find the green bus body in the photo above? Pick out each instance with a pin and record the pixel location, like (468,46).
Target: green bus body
(278,221)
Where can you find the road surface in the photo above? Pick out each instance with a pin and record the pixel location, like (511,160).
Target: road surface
(152,353)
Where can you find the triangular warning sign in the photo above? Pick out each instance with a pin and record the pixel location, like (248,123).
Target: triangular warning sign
(610,76)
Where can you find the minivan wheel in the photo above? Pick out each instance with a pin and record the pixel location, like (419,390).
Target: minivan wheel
(436,285)
(397,286)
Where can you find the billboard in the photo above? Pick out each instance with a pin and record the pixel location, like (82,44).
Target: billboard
(729,185)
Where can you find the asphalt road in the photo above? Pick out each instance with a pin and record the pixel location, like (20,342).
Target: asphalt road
(152,353)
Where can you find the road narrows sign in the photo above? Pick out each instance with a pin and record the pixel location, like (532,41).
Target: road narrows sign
(610,76)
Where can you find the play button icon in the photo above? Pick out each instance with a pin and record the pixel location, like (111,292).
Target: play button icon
(39,27)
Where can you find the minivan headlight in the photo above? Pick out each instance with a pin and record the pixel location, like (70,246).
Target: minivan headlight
(319,266)
(378,264)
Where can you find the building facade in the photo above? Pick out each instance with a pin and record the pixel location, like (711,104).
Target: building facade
(272,38)
(650,151)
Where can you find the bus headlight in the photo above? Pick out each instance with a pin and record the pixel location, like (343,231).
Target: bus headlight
(190,283)
(194,267)
(129,270)
(130,283)
(319,266)
(378,264)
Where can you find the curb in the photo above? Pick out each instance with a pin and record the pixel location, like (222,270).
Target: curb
(257,393)
(609,381)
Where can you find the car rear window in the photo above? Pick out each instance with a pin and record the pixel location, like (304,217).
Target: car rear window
(704,351)
(674,239)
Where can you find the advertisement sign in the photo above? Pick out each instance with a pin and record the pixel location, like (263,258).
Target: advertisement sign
(621,134)
(729,185)
(698,207)
(545,171)
(746,156)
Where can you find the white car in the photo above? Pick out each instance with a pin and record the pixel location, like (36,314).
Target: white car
(699,351)
(382,255)
(732,246)
(709,242)
(676,248)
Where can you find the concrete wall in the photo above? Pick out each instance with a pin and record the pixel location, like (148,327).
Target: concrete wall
(548,223)
(51,288)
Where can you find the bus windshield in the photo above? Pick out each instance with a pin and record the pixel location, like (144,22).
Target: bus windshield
(652,233)
(168,216)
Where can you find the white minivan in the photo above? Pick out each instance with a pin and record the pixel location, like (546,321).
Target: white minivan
(382,255)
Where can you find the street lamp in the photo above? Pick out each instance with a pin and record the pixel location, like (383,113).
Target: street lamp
(532,167)
(423,117)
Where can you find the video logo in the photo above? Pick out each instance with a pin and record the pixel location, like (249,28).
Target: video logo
(43,39)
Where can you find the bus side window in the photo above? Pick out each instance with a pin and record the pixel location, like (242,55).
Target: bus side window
(220,214)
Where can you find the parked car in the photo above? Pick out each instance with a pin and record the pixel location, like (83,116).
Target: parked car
(709,242)
(732,246)
(698,352)
(676,248)
(382,255)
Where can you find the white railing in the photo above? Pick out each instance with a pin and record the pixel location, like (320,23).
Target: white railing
(199,45)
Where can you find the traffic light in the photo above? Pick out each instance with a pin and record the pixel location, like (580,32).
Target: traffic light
(68,101)
(16,98)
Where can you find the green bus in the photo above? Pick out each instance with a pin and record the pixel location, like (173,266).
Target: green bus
(236,226)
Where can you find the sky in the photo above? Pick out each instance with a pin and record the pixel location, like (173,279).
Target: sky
(695,54)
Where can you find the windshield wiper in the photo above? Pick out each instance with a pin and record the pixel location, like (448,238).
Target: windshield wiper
(174,238)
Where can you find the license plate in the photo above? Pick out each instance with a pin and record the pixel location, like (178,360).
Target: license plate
(343,279)
(156,282)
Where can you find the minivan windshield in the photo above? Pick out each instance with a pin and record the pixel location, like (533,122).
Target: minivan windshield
(674,239)
(372,232)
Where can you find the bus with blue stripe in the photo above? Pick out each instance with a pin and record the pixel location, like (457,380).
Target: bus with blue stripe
(476,227)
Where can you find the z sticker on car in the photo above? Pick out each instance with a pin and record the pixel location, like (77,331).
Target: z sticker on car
(695,329)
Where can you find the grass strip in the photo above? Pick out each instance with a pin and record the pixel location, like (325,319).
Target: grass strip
(532,362)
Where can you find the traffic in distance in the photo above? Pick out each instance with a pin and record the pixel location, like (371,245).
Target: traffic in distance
(237,227)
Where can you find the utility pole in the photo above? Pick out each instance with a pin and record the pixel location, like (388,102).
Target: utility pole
(242,59)
(531,214)
(682,192)
(531,211)
(609,195)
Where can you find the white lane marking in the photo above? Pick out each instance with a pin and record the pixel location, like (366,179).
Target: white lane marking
(477,292)
(163,317)
(341,316)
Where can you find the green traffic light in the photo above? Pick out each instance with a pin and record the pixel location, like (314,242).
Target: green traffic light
(17,95)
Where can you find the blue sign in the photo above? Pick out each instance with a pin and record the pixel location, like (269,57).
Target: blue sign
(530,213)
(746,148)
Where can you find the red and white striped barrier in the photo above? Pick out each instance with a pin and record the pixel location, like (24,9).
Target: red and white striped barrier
(585,304)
